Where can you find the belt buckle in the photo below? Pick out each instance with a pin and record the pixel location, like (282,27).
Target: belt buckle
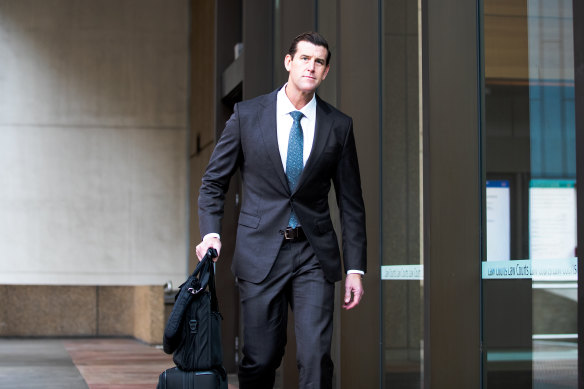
(290,233)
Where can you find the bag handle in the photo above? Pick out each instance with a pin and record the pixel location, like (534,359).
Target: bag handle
(202,273)
(211,281)
(205,271)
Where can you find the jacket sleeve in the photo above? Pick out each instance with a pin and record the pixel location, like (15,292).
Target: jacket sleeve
(224,161)
(347,183)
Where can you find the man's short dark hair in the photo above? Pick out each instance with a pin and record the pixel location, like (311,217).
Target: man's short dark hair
(313,37)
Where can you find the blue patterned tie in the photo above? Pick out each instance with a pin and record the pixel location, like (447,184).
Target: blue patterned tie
(294,160)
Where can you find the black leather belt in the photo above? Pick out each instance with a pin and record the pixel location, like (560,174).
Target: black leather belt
(293,234)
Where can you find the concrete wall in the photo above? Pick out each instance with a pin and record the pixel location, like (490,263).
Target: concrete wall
(47,310)
(93,141)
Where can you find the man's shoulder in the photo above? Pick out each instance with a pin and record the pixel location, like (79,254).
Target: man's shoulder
(331,110)
(258,101)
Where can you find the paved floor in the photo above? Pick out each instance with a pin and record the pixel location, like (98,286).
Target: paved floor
(82,364)
(35,364)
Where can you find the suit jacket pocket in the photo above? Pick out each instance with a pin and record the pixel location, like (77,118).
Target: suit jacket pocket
(245,219)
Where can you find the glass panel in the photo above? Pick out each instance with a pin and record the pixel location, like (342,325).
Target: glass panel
(530,271)
(402,283)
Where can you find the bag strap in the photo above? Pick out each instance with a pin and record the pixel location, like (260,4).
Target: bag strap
(205,271)
(212,286)
(199,280)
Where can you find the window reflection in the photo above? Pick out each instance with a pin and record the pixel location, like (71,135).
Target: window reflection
(402,283)
(530,321)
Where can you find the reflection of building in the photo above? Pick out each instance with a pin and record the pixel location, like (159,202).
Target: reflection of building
(108,116)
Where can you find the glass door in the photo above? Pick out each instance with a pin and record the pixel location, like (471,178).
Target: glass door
(530,271)
(402,295)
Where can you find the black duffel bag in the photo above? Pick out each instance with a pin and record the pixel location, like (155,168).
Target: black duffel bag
(193,331)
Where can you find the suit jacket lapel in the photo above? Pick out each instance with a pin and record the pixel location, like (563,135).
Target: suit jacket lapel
(322,130)
(267,121)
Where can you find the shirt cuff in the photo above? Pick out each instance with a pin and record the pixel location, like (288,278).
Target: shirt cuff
(355,272)
(212,235)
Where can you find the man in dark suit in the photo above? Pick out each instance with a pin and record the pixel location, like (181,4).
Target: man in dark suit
(289,146)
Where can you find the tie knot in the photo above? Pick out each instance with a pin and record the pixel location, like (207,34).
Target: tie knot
(296,115)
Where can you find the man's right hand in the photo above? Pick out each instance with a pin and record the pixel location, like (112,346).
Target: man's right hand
(207,243)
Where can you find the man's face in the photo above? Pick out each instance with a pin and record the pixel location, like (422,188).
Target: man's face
(308,68)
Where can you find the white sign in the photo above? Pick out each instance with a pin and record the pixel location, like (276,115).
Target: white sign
(563,269)
(498,221)
(552,219)
(402,272)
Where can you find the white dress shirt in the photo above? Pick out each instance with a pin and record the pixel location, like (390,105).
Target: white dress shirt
(284,124)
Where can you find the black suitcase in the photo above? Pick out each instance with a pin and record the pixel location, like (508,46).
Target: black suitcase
(175,378)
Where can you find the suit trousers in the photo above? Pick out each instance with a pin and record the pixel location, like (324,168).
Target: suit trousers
(296,279)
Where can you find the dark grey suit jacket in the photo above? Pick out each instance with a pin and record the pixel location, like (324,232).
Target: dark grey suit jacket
(249,143)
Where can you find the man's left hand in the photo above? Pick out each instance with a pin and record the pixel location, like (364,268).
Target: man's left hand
(353,290)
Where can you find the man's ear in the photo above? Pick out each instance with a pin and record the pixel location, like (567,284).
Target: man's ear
(328,67)
(287,61)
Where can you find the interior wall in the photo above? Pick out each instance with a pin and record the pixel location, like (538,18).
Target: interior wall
(93,137)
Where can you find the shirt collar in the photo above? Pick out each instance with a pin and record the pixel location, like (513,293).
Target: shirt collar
(284,106)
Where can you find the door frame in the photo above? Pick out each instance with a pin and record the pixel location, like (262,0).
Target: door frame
(453,193)
(578,28)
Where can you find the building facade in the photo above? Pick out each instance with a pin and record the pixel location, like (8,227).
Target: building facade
(469,129)
(466,124)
